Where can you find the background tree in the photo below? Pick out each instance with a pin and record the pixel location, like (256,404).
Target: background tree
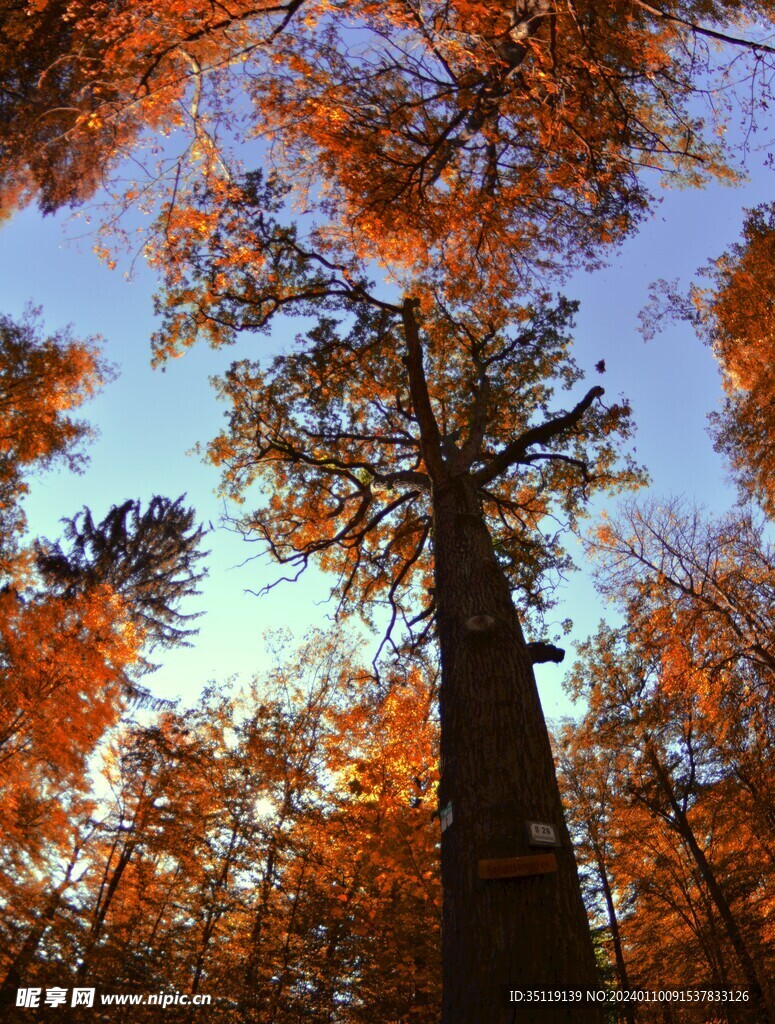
(43,379)
(738,319)
(710,866)
(148,558)
(70,642)
(682,698)
(732,313)
(71,645)
(587,773)
(716,580)
(272,847)
(716,573)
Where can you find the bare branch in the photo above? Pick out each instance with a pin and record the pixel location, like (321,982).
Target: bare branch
(701,30)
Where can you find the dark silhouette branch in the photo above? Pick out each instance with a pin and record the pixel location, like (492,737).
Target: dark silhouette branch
(541,652)
(430,437)
(709,33)
(545,432)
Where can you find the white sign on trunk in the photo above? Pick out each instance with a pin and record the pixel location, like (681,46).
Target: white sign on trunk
(540,833)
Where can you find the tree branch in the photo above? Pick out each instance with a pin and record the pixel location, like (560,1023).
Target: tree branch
(472,445)
(430,437)
(542,434)
(709,33)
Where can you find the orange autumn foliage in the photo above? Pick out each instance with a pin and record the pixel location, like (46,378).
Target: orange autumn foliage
(61,660)
(675,749)
(677,854)
(42,381)
(75,619)
(62,665)
(732,312)
(275,844)
(475,138)
(740,326)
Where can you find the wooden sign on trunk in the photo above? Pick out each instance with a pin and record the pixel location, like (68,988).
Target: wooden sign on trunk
(518,867)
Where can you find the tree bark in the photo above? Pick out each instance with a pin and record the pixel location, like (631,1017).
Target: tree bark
(497,773)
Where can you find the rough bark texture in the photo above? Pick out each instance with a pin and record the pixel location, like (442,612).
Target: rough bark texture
(497,773)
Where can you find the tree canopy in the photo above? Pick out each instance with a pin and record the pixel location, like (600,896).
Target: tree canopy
(459,138)
(730,307)
(43,379)
(669,775)
(411,440)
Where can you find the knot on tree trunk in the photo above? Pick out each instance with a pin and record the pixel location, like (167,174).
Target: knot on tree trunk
(480,623)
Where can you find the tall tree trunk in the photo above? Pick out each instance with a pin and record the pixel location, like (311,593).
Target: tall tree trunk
(497,773)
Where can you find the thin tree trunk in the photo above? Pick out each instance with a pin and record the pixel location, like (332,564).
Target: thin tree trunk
(283,971)
(758,995)
(214,914)
(497,773)
(613,925)
(254,989)
(101,910)
(25,956)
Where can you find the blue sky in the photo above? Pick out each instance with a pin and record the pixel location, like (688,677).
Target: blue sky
(149,420)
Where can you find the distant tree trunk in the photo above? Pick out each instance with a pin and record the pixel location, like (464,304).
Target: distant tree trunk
(758,994)
(101,910)
(254,985)
(15,974)
(628,1009)
(214,913)
(497,773)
